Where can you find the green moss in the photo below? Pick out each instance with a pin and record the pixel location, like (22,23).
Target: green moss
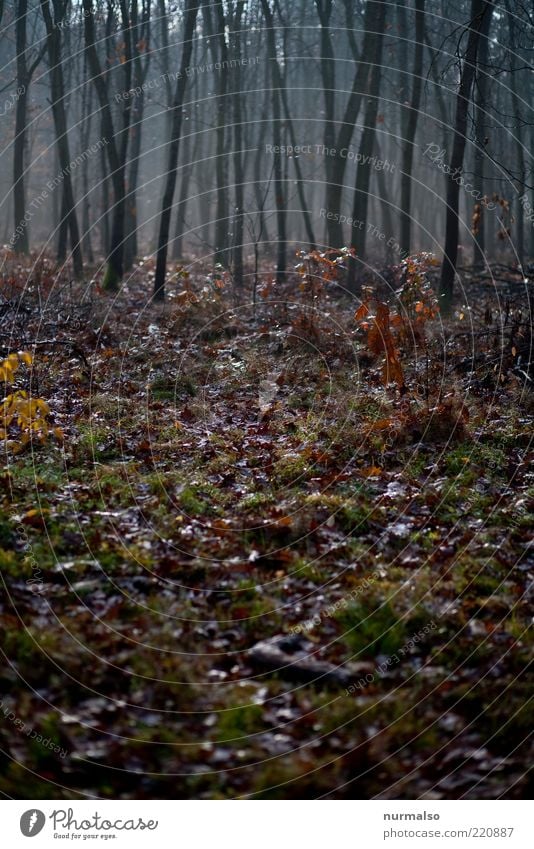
(9,563)
(198,499)
(256,500)
(167,387)
(94,444)
(467,455)
(20,646)
(240,722)
(291,469)
(353,518)
(371,629)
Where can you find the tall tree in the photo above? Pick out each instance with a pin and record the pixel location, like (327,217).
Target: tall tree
(141,62)
(481,121)
(116,144)
(363,172)
(216,26)
(479,8)
(515,85)
(337,161)
(190,16)
(282,87)
(278,182)
(25,71)
(57,92)
(238,155)
(410,127)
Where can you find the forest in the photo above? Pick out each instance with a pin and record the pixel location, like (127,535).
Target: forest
(266,311)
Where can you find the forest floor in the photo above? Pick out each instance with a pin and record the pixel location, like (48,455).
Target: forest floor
(261,573)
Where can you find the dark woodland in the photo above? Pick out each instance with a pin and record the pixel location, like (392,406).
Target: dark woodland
(266,309)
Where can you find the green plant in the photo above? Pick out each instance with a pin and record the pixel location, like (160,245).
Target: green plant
(22,418)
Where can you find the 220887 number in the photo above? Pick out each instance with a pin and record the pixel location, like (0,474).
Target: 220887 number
(491,832)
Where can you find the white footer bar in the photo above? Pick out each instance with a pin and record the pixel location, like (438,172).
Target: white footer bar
(266,825)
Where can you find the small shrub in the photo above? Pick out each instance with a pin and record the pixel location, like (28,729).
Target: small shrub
(22,418)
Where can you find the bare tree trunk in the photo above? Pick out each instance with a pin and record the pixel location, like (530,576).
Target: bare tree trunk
(278,184)
(479,8)
(85,133)
(105,233)
(386,207)
(190,16)
(296,161)
(411,127)
(481,87)
(116,146)
(238,220)
(363,173)
(140,41)
(63,229)
(181,206)
(328,76)
(337,161)
(518,142)
(165,57)
(20,237)
(57,91)
(219,50)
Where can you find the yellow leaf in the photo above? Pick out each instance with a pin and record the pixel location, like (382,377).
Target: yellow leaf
(6,372)
(43,406)
(371,472)
(26,357)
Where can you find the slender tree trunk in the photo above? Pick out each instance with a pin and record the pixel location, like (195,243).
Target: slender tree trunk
(165,59)
(105,233)
(190,16)
(481,87)
(63,230)
(328,76)
(258,185)
(479,8)
(363,173)
(219,50)
(239,178)
(386,206)
(437,92)
(281,84)
(278,183)
(519,214)
(411,127)
(337,161)
(85,134)
(181,207)
(116,146)
(57,91)
(140,36)
(20,237)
